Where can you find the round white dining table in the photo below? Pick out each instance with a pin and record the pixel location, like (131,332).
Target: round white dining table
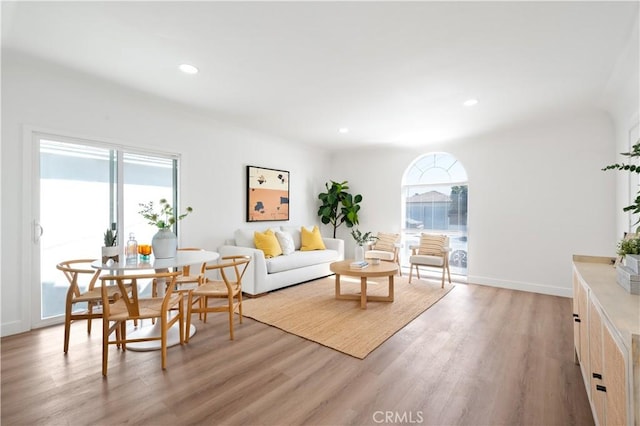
(182,258)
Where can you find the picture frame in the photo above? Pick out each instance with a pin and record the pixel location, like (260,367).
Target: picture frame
(267,194)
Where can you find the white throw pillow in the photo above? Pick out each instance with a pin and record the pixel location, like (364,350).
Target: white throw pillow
(286,242)
(294,231)
(244,238)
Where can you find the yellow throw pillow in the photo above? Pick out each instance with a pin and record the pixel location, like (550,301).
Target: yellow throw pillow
(267,242)
(311,240)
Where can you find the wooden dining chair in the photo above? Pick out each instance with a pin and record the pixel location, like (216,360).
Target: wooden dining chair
(82,289)
(130,307)
(186,280)
(229,287)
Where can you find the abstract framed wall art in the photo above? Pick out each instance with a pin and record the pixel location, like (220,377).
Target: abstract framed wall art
(267,194)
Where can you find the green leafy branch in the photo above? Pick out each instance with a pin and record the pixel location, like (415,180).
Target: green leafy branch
(632,168)
(362,239)
(165,218)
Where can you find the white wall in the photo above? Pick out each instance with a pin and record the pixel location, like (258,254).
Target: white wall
(214,157)
(536,197)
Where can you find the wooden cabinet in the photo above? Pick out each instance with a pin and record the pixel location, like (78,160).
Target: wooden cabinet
(607,341)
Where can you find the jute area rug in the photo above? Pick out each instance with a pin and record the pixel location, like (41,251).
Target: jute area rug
(310,310)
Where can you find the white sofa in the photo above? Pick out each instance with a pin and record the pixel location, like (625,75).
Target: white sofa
(268,274)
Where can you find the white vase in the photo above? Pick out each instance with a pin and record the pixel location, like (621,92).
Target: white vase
(164,244)
(359,253)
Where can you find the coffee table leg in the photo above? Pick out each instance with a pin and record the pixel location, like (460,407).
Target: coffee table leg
(390,288)
(337,286)
(363,292)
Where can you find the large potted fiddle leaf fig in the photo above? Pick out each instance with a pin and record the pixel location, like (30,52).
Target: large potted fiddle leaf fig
(339,206)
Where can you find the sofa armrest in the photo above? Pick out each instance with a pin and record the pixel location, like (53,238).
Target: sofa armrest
(335,244)
(256,271)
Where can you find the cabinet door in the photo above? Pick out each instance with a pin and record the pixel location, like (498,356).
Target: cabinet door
(596,373)
(615,379)
(583,325)
(576,316)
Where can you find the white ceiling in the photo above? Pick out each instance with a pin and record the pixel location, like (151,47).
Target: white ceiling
(393,73)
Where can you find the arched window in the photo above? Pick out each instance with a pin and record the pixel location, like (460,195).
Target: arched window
(434,200)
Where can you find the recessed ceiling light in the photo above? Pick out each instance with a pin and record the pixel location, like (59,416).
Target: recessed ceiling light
(470,102)
(189,69)
(343,130)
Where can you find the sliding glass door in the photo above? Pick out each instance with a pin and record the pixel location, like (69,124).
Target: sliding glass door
(75,184)
(85,188)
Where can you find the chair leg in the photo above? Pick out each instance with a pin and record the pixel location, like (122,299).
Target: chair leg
(163,339)
(67,329)
(444,270)
(123,335)
(105,345)
(189,312)
(90,311)
(231,318)
(449,273)
(181,321)
(240,305)
(410,273)
(417,271)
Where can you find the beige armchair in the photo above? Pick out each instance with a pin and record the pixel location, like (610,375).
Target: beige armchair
(433,251)
(386,247)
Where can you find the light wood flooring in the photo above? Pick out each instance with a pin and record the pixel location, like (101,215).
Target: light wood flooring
(480,356)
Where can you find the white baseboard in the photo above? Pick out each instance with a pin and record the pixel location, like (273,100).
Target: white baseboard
(522,286)
(12,327)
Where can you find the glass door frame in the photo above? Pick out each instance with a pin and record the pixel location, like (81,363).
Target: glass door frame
(31,296)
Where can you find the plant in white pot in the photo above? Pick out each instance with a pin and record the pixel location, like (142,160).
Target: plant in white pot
(164,243)
(110,250)
(361,241)
(629,246)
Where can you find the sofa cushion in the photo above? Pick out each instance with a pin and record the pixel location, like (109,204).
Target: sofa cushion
(423,259)
(300,259)
(379,254)
(285,240)
(244,238)
(268,243)
(311,240)
(295,234)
